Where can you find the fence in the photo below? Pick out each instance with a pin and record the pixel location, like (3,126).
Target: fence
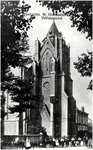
(19,140)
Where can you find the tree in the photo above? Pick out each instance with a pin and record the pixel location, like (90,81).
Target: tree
(80,13)
(21,92)
(14,43)
(2,106)
(23,99)
(14,26)
(2,113)
(84,66)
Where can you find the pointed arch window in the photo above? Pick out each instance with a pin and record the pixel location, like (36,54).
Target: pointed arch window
(50,64)
(43,66)
(47,63)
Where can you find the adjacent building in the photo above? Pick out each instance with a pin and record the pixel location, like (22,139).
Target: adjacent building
(81,122)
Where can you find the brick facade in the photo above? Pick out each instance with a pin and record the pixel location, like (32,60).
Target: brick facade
(57,106)
(53,76)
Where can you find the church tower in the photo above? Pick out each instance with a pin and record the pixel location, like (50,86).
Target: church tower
(57,107)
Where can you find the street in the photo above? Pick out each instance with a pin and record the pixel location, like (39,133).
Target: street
(65,148)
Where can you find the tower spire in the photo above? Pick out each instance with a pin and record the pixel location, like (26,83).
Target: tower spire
(53,30)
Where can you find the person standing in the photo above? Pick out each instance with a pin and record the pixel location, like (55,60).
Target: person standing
(28,144)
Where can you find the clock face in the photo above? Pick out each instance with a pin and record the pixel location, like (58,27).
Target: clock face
(46,85)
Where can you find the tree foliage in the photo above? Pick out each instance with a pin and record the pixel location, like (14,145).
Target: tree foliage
(84,66)
(14,41)
(80,13)
(14,26)
(21,92)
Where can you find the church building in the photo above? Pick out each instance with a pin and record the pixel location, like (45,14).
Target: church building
(51,67)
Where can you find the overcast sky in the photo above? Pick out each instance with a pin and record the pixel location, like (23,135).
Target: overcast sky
(78,44)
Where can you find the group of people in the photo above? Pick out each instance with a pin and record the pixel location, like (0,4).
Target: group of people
(23,143)
(66,142)
(56,142)
(63,142)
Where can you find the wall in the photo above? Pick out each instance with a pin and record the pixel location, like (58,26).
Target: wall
(34,138)
(11,127)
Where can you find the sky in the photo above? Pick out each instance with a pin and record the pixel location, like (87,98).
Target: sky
(78,45)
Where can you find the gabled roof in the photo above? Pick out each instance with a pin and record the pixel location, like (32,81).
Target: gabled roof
(53,30)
